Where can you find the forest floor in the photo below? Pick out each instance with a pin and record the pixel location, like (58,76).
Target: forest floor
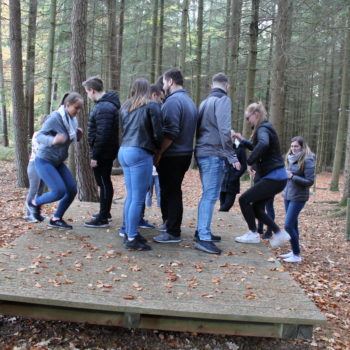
(324,274)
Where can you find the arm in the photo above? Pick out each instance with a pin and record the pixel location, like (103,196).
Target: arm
(263,138)
(171,113)
(47,133)
(155,114)
(309,174)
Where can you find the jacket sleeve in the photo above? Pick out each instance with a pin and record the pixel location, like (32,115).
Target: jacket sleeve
(222,108)
(171,113)
(156,123)
(263,138)
(247,144)
(309,174)
(47,132)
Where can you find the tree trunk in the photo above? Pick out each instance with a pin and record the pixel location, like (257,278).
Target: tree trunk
(184,16)
(87,189)
(346,191)
(160,40)
(51,45)
(154,41)
(235,31)
(5,140)
(253,52)
(19,118)
(120,42)
(112,36)
(30,67)
(343,114)
(278,86)
(228,39)
(199,51)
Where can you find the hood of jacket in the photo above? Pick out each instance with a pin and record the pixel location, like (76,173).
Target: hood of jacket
(110,96)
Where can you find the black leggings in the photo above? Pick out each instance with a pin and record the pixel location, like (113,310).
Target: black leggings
(252,202)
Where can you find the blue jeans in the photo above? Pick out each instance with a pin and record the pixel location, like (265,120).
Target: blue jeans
(137,167)
(270,212)
(211,170)
(61,183)
(155,184)
(293,210)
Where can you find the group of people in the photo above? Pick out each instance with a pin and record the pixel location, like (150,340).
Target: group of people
(159,123)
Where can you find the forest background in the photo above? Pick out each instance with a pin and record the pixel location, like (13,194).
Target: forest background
(291,54)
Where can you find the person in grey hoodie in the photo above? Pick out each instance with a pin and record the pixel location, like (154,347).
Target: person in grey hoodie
(213,146)
(54,138)
(300,162)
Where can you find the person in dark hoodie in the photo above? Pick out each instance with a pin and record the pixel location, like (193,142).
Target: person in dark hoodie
(269,164)
(103,142)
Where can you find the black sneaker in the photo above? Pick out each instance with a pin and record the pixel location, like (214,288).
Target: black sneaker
(207,246)
(139,237)
(35,211)
(95,216)
(213,237)
(97,223)
(136,244)
(60,224)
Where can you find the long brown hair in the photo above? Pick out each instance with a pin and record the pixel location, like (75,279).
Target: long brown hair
(140,94)
(305,151)
(257,107)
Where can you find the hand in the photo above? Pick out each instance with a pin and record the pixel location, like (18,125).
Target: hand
(251,171)
(156,158)
(59,139)
(237,136)
(93,163)
(79,134)
(237,165)
(290,174)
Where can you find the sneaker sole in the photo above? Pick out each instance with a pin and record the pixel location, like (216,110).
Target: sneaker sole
(94,217)
(203,249)
(251,242)
(169,241)
(97,226)
(60,228)
(150,227)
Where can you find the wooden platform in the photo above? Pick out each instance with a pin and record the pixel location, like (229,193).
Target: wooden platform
(86,275)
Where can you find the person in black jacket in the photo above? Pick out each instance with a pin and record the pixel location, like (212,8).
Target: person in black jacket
(230,185)
(103,141)
(301,174)
(267,157)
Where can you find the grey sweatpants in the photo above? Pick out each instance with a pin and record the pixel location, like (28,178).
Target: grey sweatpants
(36,185)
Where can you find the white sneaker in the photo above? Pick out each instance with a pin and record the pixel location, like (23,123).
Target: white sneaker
(279,238)
(288,255)
(248,237)
(293,259)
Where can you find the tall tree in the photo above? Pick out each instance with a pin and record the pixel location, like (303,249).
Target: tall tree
(183,42)
(160,39)
(30,66)
(199,51)
(283,36)
(112,38)
(87,189)
(154,40)
(342,124)
(19,119)
(51,49)
(120,42)
(227,35)
(252,56)
(5,140)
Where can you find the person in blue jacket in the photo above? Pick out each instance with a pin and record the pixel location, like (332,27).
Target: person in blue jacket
(300,162)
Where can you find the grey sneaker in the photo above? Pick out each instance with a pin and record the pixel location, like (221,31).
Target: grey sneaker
(166,238)
(207,246)
(161,227)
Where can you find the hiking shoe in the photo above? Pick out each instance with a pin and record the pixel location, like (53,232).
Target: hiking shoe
(35,211)
(60,224)
(266,235)
(288,255)
(136,244)
(207,246)
(293,259)
(279,238)
(213,238)
(98,222)
(248,237)
(145,224)
(95,216)
(161,227)
(166,238)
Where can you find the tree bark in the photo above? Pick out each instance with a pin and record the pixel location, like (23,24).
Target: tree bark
(112,36)
(19,119)
(51,44)
(160,40)
(199,51)
(346,191)
(120,42)
(5,140)
(343,114)
(154,40)
(87,189)
(253,52)
(184,16)
(278,84)
(227,36)
(30,66)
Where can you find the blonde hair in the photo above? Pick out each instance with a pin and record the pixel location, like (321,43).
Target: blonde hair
(257,107)
(140,94)
(305,151)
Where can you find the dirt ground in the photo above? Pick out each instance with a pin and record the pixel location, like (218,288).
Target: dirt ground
(323,274)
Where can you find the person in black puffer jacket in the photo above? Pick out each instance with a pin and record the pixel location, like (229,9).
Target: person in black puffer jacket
(103,142)
(301,174)
(269,164)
